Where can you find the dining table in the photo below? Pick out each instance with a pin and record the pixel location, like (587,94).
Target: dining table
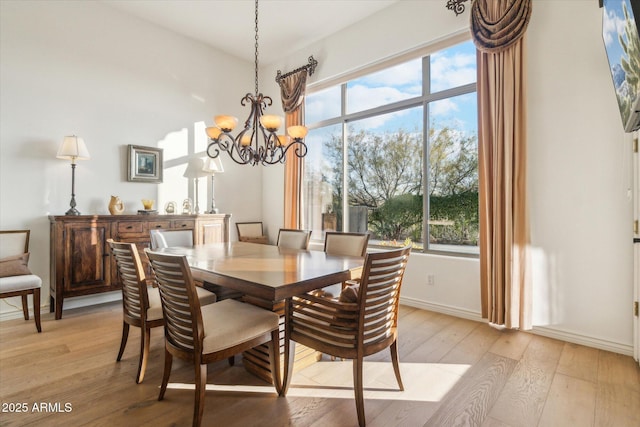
(266,275)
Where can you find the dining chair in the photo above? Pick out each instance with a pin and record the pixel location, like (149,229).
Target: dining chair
(140,303)
(252,232)
(162,238)
(165,238)
(349,244)
(294,239)
(206,334)
(361,322)
(15,277)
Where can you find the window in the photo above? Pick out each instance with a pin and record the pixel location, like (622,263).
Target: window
(382,141)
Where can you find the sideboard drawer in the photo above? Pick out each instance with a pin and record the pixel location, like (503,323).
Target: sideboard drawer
(156,225)
(186,224)
(131,227)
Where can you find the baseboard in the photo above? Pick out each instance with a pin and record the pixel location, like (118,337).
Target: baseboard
(588,341)
(444,309)
(544,331)
(69,303)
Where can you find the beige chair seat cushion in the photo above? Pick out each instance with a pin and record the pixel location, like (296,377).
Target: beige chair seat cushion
(155,306)
(230,322)
(19,283)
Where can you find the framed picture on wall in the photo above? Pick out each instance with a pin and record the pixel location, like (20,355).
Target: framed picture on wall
(145,164)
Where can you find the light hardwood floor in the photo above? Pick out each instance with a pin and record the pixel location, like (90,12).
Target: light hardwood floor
(456,372)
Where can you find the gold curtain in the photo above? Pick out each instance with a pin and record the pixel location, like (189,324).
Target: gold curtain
(292,91)
(498,28)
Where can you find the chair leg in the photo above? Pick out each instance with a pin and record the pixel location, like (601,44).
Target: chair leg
(145,339)
(201,387)
(274,359)
(289,355)
(358,363)
(36,308)
(25,307)
(123,341)
(168,360)
(396,363)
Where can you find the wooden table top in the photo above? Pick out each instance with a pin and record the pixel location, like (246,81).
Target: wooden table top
(267,271)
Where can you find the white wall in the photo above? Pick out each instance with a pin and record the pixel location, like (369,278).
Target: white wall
(81,67)
(85,68)
(578,167)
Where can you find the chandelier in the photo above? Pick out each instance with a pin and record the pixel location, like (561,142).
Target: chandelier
(258,142)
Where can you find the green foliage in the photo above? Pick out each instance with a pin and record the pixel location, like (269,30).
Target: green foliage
(385,175)
(398,218)
(462,209)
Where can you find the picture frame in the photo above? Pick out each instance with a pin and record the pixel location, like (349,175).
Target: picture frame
(145,164)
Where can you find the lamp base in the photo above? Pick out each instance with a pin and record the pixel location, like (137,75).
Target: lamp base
(72,211)
(213,211)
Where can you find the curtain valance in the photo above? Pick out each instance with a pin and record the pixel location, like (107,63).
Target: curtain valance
(292,90)
(495,27)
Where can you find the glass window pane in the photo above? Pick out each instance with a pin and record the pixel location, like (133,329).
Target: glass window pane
(322,182)
(403,81)
(453,174)
(384,173)
(322,105)
(453,67)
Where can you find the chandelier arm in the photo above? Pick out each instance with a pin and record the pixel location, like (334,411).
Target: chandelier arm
(300,148)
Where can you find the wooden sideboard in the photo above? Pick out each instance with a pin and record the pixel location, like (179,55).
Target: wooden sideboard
(81,262)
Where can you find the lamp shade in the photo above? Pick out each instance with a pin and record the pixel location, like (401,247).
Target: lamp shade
(226,123)
(213,166)
(73,148)
(195,169)
(297,132)
(213,132)
(271,122)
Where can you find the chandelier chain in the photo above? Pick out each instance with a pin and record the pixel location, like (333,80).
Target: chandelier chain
(256,55)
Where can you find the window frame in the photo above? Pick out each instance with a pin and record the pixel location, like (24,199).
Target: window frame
(423,100)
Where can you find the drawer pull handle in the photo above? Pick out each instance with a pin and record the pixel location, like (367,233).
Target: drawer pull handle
(183,225)
(129,227)
(158,226)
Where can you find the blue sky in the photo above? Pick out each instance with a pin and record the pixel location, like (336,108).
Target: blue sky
(613,24)
(452,67)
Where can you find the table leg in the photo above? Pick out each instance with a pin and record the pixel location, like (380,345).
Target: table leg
(256,360)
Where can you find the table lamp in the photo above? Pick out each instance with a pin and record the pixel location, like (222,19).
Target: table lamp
(212,167)
(73,148)
(195,170)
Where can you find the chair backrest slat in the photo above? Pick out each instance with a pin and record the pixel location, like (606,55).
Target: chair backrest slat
(379,292)
(135,299)
(180,304)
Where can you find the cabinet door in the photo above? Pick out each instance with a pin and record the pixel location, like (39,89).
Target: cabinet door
(88,267)
(212,232)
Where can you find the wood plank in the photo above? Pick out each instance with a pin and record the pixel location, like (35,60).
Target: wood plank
(579,361)
(471,400)
(571,402)
(523,397)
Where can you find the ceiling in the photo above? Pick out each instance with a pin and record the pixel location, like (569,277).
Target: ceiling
(285,26)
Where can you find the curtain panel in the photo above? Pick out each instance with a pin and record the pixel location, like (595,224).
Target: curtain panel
(498,28)
(292,91)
